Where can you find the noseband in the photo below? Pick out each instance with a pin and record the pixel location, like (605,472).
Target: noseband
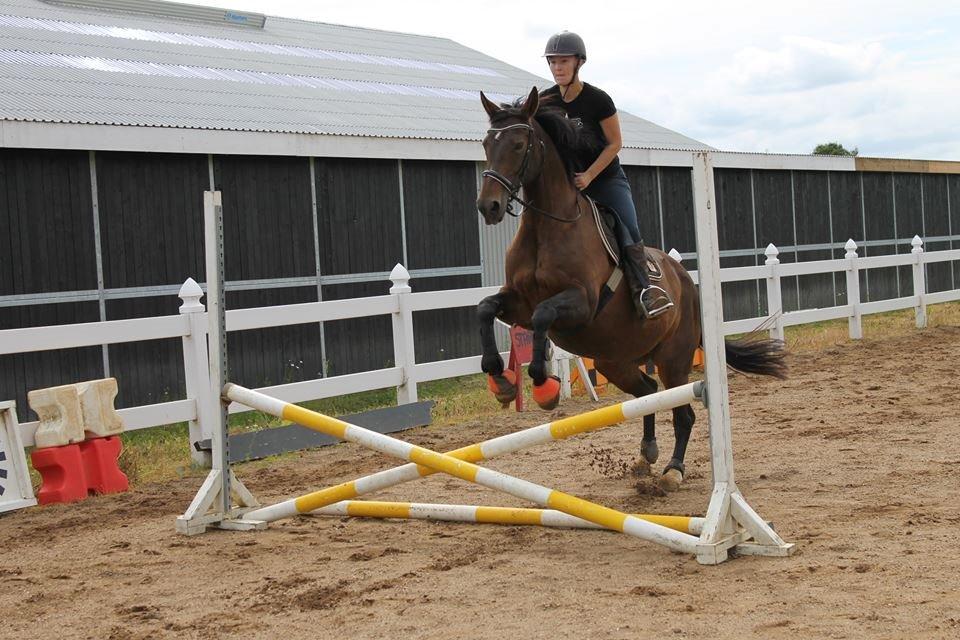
(513,189)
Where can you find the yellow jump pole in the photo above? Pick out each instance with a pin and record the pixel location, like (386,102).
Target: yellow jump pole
(490,515)
(487,450)
(543,496)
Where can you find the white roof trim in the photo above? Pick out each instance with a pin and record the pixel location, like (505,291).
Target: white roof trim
(84,137)
(738,160)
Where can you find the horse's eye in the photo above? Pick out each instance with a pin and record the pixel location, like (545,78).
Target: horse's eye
(518,146)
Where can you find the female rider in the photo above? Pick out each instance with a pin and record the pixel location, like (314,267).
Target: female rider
(603,179)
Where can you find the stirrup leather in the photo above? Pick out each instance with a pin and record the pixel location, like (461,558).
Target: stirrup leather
(654,301)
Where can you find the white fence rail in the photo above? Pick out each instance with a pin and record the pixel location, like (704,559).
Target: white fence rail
(191,327)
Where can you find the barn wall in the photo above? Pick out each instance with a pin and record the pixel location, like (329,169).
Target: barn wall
(776,224)
(151,208)
(301,230)
(811,204)
(736,225)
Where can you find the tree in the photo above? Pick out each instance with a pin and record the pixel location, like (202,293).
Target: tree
(834,149)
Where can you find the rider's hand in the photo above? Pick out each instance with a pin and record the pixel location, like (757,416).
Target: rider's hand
(582,180)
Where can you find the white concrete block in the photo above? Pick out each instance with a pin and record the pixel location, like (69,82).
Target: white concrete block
(96,401)
(61,418)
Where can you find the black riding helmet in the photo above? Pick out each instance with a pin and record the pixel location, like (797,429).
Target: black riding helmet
(566,43)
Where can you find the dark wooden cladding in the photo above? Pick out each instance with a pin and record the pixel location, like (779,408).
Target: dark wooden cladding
(953,186)
(735,224)
(358,344)
(734,209)
(879,219)
(774,201)
(147,372)
(358,203)
(773,193)
(267,216)
(441,214)
(846,204)
(646,199)
(936,222)
(679,229)
(846,200)
(444,334)
(812,215)
(151,217)
(46,222)
(908,212)
(275,355)
(20,373)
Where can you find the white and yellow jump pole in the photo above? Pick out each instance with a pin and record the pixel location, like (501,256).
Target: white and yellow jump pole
(487,450)
(543,496)
(488,515)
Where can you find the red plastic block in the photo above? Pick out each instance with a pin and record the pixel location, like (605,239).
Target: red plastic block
(100,457)
(61,469)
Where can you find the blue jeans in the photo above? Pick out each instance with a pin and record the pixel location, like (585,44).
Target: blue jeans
(614,192)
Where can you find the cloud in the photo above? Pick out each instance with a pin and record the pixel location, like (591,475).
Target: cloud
(802,64)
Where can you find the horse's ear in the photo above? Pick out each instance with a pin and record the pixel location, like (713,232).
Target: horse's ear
(532,104)
(490,107)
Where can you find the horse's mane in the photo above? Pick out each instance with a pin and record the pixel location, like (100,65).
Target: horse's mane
(577,146)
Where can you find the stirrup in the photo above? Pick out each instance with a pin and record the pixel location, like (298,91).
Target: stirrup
(658,305)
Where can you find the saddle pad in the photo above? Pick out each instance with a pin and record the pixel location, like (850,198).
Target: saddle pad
(653,269)
(606,234)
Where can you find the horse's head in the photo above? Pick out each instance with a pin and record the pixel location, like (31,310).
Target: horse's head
(510,149)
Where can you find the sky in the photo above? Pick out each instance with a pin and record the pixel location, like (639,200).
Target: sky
(778,77)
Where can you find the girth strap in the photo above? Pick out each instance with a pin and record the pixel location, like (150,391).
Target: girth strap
(608,289)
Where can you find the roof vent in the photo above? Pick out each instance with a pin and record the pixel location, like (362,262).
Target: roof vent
(173,10)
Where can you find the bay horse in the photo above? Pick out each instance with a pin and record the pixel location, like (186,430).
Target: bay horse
(557,266)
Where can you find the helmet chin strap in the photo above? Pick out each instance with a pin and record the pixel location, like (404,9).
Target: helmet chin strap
(576,74)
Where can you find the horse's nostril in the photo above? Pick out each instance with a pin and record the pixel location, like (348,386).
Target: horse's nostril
(494,206)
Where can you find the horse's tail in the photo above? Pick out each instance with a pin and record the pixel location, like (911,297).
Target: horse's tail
(762,356)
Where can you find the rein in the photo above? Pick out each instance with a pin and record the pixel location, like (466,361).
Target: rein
(514,189)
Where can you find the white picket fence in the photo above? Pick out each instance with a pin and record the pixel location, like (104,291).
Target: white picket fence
(400,303)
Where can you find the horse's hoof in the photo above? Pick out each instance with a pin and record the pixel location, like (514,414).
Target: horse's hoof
(547,395)
(503,387)
(670,480)
(641,469)
(649,450)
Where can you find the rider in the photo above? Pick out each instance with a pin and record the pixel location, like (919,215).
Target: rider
(603,180)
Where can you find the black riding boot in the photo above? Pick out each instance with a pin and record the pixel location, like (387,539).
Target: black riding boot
(650,300)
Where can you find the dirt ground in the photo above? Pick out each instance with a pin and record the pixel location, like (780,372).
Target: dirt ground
(855,458)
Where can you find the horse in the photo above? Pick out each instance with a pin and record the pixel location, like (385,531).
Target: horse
(557,269)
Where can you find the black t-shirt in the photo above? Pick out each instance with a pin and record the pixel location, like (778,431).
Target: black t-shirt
(588,109)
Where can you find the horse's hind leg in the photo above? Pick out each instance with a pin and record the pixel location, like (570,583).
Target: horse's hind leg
(628,377)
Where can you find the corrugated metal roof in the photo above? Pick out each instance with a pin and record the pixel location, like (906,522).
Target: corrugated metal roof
(81,66)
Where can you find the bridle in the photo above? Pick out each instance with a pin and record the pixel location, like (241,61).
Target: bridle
(513,189)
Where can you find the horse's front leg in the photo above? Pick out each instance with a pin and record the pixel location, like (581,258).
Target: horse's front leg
(567,310)
(503,384)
